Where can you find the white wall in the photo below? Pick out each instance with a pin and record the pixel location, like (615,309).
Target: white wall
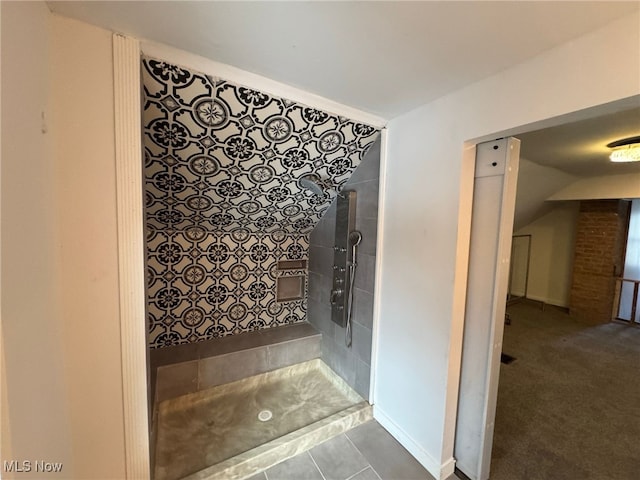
(535,184)
(519,264)
(84,152)
(606,186)
(419,340)
(35,404)
(60,321)
(552,249)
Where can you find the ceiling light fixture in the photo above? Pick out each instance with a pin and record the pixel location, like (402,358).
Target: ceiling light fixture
(625,150)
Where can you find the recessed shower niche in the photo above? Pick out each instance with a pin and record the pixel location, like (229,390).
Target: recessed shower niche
(290,288)
(291,281)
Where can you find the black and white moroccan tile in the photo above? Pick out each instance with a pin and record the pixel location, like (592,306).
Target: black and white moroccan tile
(223,199)
(204,285)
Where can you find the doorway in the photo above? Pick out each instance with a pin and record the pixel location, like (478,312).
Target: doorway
(571,191)
(627,301)
(519,268)
(494,187)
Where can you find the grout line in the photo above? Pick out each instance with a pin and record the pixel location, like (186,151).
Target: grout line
(351,442)
(198,369)
(360,471)
(314,462)
(268,356)
(358,450)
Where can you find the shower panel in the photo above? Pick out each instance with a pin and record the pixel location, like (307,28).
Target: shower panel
(343,257)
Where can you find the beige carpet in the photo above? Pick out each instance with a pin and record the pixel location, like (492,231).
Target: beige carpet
(569,405)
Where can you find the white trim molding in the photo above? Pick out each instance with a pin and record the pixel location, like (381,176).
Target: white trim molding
(130,209)
(378,264)
(252,80)
(463,243)
(440,471)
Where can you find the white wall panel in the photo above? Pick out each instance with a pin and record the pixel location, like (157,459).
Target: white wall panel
(421,294)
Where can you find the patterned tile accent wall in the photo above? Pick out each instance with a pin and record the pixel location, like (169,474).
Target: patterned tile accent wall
(223,202)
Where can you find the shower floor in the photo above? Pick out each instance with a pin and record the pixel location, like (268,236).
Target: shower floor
(215,426)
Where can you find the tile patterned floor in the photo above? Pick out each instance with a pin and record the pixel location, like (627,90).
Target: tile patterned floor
(367,452)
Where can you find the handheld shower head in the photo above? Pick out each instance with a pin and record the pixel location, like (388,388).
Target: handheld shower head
(311,182)
(355,238)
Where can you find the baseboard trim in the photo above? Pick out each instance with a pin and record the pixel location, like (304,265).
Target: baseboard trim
(460,474)
(448,468)
(435,468)
(548,301)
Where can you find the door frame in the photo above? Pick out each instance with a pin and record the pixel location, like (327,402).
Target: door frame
(130,217)
(494,197)
(463,247)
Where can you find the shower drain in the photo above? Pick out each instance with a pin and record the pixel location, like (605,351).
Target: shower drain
(265,415)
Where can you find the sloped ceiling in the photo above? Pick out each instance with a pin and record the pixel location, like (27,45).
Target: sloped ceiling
(224,158)
(536,183)
(571,161)
(580,148)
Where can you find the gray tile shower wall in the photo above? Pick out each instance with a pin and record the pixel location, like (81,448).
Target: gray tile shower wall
(224,202)
(187,368)
(353,364)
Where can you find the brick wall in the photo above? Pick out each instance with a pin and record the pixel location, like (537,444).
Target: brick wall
(599,251)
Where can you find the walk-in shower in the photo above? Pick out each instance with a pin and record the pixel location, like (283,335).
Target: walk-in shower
(237,429)
(236,181)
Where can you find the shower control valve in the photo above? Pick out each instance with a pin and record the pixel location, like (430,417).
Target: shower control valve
(335,294)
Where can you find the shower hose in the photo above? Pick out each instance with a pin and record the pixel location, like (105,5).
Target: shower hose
(352,275)
(355,238)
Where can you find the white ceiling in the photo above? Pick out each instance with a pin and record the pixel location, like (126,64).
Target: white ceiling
(386,57)
(580,148)
(382,57)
